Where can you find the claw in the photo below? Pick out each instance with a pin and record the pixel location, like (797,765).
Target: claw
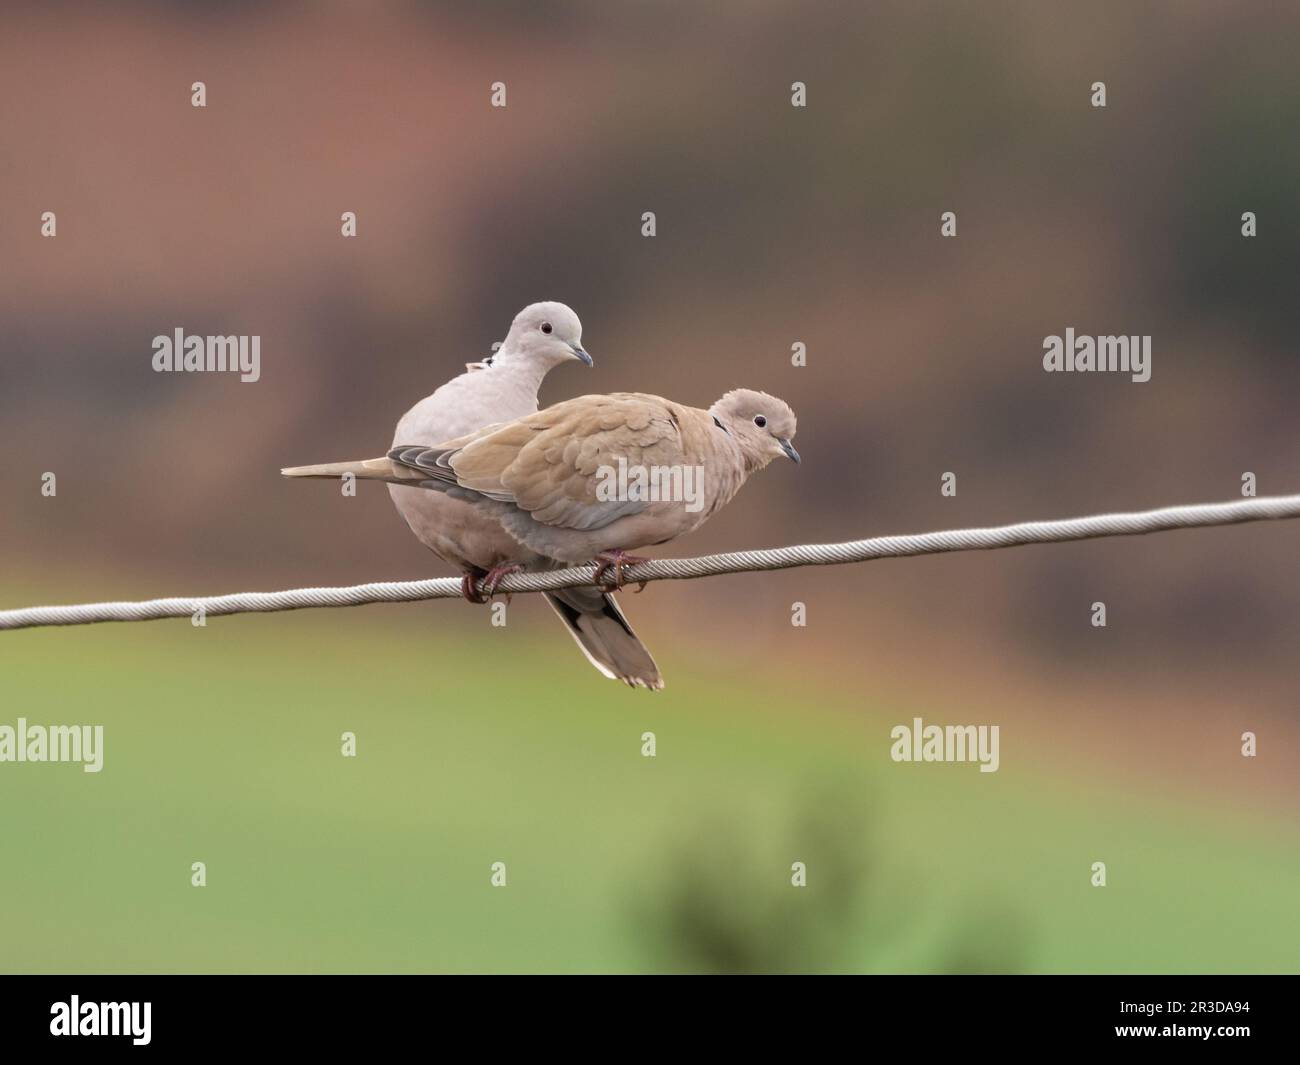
(496,575)
(467,582)
(616,560)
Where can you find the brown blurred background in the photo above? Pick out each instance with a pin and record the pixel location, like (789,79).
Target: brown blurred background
(775,225)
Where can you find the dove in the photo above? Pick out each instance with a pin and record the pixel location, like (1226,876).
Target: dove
(498,390)
(594,477)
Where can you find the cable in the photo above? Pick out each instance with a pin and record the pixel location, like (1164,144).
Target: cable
(1192,516)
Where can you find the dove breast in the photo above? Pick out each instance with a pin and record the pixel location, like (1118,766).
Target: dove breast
(454,530)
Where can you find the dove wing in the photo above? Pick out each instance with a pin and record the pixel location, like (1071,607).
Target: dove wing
(547,464)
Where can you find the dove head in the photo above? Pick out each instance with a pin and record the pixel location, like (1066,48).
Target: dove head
(761,425)
(545,335)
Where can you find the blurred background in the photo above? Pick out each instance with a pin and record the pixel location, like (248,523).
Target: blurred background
(776,225)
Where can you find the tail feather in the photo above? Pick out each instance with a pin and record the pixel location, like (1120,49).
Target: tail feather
(365,469)
(595,621)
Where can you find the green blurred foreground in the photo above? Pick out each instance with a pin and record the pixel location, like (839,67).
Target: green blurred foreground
(477,745)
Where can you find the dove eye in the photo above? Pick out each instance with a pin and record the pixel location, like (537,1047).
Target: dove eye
(760,421)
(546,327)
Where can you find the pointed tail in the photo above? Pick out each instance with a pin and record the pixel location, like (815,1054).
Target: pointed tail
(366,469)
(595,621)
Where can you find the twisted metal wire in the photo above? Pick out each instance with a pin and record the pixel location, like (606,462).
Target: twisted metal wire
(1134,523)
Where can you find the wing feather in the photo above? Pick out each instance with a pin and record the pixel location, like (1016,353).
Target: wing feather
(549,463)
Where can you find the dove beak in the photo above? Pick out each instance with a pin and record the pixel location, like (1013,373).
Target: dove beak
(788,448)
(581,355)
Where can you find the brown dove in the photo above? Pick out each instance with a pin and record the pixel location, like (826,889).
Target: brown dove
(497,390)
(594,477)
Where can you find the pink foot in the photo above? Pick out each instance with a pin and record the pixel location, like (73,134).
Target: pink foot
(616,560)
(491,579)
(467,582)
(496,575)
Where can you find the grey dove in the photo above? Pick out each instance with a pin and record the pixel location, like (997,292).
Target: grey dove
(500,389)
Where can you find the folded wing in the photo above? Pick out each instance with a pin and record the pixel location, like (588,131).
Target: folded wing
(559,465)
